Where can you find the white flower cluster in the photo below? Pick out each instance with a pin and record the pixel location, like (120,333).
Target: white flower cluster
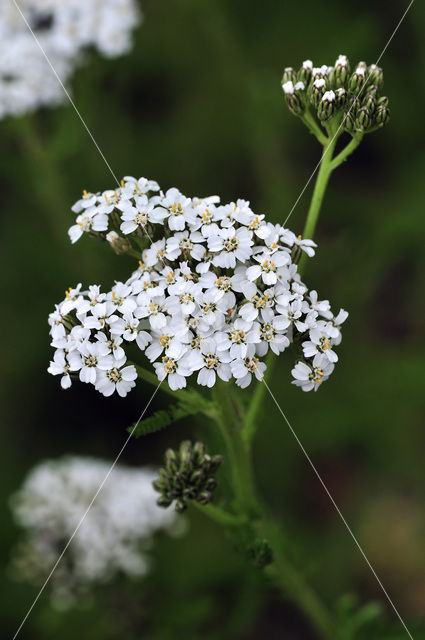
(217,287)
(114,535)
(64,29)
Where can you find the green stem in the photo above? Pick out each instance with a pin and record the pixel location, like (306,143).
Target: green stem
(230,423)
(343,155)
(323,176)
(253,522)
(315,129)
(220,515)
(286,577)
(293,586)
(251,418)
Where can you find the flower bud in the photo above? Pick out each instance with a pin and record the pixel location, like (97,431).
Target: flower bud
(294,96)
(188,474)
(171,460)
(289,75)
(383,101)
(382,115)
(306,72)
(318,89)
(363,119)
(326,107)
(340,72)
(119,244)
(340,98)
(349,122)
(376,75)
(320,72)
(356,81)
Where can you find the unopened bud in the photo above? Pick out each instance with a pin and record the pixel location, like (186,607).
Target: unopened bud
(326,107)
(369,101)
(171,462)
(318,89)
(185,454)
(382,115)
(306,72)
(357,79)
(376,75)
(294,96)
(321,72)
(340,98)
(340,72)
(383,101)
(205,497)
(363,119)
(289,75)
(349,122)
(119,244)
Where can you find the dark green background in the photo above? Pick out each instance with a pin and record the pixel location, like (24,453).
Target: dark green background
(197,104)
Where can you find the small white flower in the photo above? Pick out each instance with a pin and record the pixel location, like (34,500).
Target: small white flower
(319,343)
(311,377)
(174,371)
(59,366)
(244,369)
(231,245)
(115,379)
(88,221)
(92,357)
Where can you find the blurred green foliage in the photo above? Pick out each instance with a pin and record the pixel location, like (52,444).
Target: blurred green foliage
(198,104)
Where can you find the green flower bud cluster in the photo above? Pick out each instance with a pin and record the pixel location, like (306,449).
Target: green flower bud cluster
(351,98)
(188,474)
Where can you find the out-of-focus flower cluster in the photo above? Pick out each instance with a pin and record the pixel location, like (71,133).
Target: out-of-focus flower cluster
(352,97)
(115,533)
(64,29)
(217,287)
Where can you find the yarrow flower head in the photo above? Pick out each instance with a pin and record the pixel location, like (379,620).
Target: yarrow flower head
(64,29)
(217,286)
(350,98)
(117,528)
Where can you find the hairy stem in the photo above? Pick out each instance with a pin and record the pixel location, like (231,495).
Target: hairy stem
(286,577)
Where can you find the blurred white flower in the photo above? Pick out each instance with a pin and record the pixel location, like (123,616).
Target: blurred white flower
(64,29)
(113,536)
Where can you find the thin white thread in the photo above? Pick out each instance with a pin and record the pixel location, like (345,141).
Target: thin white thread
(75,107)
(269,390)
(338,510)
(345,117)
(85,514)
(67,93)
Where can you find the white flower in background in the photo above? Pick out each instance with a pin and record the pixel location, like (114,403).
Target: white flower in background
(64,29)
(217,286)
(120,523)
